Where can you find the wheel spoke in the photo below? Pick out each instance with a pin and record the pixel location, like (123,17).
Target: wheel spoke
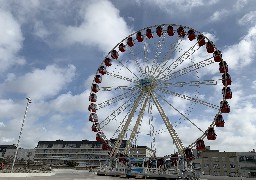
(136,126)
(178,61)
(188,69)
(168,125)
(166,84)
(117,98)
(157,52)
(117,112)
(136,60)
(127,69)
(125,127)
(164,99)
(161,64)
(189,98)
(119,76)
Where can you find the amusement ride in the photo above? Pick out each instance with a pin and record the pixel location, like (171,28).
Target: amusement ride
(160,80)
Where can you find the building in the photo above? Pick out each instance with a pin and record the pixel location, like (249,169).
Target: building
(84,153)
(213,162)
(3,149)
(247,163)
(23,155)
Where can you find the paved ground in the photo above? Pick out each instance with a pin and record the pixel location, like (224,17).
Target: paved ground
(81,175)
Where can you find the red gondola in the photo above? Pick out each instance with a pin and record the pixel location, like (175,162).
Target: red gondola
(98,79)
(102,70)
(226,79)
(95,127)
(228,94)
(130,42)
(219,121)
(149,33)
(114,54)
(159,31)
(99,137)
(95,88)
(211,134)
(224,107)
(188,154)
(93,117)
(170,31)
(223,67)
(181,32)
(217,56)
(201,40)
(200,145)
(209,47)
(105,147)
(121,47)
(191,35)
(92,107)
(107,62)
(93,97)
(139,36)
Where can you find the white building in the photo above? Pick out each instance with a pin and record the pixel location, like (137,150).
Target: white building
(85,153)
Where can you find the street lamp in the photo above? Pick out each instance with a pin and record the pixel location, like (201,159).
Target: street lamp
(28,102)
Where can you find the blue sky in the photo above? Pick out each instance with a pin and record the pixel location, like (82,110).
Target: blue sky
(50,51)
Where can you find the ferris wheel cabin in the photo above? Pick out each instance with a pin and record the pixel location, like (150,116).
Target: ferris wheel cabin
(181,32)
(130,42)
(217,56)
(170,31)
(93,97)
(139,36)
(209,47)
(114,54)
(191,35)
(225,108)
(223,67)
(149,33)
(201,40)
(93,117)
(159,31)
(219,121)
(92,107)
(226,79)
(200,146)
(102,70)
(228,94)
(95,88)
(107,62)
(98,79)
(211,134)
(121,47)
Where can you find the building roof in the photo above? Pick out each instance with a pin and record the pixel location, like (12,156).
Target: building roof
(2,147)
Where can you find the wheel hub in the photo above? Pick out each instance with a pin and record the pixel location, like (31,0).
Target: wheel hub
(147,84)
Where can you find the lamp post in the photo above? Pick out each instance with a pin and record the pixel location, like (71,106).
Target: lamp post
(28,102)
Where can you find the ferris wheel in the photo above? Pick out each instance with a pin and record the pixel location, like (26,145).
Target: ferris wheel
(164,78)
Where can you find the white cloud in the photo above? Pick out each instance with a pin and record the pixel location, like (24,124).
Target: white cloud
(240,4)
(248,18)
(7,140)
(42,83)
(219,15)
(40,30)
(102,27)
(67,103)
(181,4)
(242,53)
(10,42)
(2,124)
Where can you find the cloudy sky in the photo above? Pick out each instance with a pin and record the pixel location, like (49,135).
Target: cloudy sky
(50,51)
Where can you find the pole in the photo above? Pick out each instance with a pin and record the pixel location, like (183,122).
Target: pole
(16,152)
